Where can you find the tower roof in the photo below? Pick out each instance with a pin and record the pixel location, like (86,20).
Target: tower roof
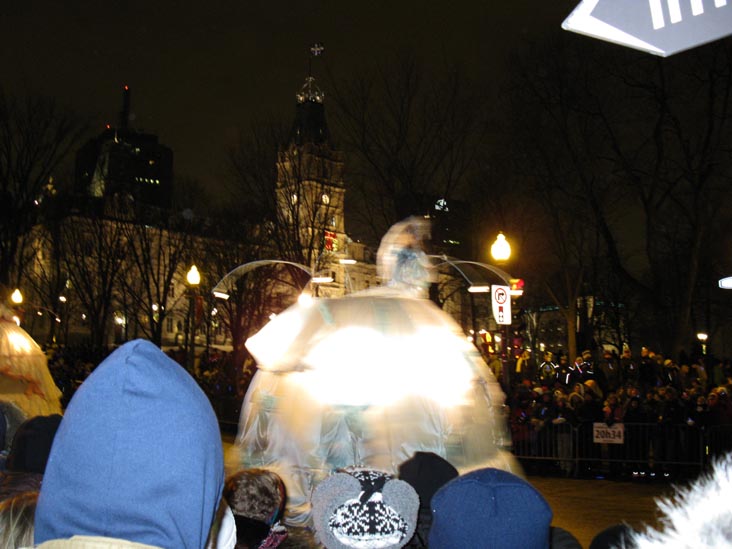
(310,125)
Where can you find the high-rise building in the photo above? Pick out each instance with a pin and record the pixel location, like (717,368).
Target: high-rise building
(124,161)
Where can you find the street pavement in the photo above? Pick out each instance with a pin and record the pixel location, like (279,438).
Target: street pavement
(583,507)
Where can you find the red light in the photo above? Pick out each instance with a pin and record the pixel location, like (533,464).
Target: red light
(517,287)
(108,126)
(126,87)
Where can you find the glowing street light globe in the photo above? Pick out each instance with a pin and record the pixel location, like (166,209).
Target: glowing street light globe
(193,277)
(16,297)
(501,249)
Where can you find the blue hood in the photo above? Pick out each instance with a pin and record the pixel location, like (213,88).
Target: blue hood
(138,456)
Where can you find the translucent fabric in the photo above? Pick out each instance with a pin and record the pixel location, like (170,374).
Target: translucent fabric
(24,377)
(368,379)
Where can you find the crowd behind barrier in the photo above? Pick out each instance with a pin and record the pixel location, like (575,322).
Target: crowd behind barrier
(618,416)
(674,418)
(595,423)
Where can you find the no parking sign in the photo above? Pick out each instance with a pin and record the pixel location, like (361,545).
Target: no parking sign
(501,298)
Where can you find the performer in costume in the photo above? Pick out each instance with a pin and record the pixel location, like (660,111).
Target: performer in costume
(369,379)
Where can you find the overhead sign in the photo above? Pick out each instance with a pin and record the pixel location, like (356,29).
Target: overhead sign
(501,298)
(661,27)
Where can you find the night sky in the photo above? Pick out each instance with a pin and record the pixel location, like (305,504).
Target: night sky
(200,70)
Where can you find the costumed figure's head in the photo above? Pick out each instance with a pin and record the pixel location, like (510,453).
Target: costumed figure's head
(401,261)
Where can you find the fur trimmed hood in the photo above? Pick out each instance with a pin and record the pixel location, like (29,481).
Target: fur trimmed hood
(698,516)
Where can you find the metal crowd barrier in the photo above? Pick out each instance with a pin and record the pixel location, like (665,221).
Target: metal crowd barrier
(633,449)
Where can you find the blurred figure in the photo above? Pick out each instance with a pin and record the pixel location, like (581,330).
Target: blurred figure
(548,369)
(370,378)
(611,374)
(137,458)
(523,368)
(629,369)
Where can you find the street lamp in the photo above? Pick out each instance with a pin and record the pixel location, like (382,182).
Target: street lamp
(193,278)
(501,252)
(16,297)
(501,249)
(702,337)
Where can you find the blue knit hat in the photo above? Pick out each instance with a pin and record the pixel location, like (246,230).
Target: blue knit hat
(489,508)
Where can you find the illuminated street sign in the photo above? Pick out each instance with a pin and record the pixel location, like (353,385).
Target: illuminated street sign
(661,27)
(501,304)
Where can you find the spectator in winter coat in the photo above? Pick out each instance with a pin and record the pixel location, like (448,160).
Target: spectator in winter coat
(137,458)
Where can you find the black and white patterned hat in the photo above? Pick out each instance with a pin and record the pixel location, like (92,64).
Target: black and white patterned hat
(364,509)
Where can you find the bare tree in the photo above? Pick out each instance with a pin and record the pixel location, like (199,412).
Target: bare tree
(631,141)
(94,253)
(412,137)
(156,253)
(36,135)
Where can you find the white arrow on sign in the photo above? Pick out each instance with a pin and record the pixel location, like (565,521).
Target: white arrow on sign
(501,304)
(661,27)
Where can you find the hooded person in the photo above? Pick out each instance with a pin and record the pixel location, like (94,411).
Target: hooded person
(137,459)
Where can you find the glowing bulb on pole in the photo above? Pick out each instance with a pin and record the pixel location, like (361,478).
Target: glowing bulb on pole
(193,277)
(501,249)
(16,297)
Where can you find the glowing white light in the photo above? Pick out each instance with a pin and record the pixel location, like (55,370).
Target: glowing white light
(16,297)
(305,299)
(322,279)
(221,295)
(193,276)
(19,343)
(370,381)
(347,261)
(155,307)
(501,249)
(62,298)
(268,345)
(479,289)
(726,283)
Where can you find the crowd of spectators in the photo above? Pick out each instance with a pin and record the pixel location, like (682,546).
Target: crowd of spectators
(651,389)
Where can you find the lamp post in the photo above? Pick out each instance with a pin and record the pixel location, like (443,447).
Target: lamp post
(501,252)
(702,337)
(16,298)
(193,278)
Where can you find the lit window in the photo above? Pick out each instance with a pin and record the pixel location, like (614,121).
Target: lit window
(325,198)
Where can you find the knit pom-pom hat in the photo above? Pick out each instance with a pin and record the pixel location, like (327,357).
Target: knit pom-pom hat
(364,509)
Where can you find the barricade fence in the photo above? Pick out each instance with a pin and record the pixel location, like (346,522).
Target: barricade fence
(633,449)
